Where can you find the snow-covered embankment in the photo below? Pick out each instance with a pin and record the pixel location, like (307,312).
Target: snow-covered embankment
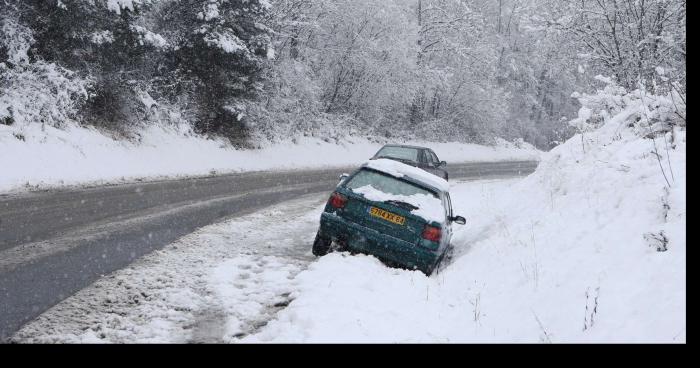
(33,156)
(591,247)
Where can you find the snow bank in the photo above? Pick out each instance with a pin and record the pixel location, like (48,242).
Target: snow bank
(589,248)
(34,155)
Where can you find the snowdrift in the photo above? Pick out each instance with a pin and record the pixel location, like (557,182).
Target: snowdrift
(589,248)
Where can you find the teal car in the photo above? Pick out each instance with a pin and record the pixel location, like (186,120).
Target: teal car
(396,212)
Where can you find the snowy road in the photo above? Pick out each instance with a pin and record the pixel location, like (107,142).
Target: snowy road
(55,244)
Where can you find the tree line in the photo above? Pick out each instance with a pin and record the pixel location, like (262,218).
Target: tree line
(251,70)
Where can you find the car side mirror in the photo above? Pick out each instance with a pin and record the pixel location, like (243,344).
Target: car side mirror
(459,220)
(442,163)
(343,176)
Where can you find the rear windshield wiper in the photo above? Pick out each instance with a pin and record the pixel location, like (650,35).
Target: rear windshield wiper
(401,204)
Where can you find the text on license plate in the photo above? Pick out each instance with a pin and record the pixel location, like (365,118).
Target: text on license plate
(388,216)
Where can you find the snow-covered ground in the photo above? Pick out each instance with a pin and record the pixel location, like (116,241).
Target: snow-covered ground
(221,283)
(589,248)
(560,256)
(36,157)
(215,285)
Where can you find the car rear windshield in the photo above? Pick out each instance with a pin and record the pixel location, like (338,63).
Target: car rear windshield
(402,153)
(386,183)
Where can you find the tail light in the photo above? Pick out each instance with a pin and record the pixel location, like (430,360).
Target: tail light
(338,200)
(432,233)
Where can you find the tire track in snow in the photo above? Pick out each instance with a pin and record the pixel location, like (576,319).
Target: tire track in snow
(217,284)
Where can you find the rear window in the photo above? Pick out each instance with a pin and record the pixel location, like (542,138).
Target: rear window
(402,153)
(387,184)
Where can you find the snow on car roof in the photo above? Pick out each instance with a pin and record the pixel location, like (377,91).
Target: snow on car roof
(398,169)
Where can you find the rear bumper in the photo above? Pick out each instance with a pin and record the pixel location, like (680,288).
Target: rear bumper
(370,241)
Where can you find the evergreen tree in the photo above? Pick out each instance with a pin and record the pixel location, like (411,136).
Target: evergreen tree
(221,47)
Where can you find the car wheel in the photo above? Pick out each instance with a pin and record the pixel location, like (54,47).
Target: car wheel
(340,245)
(321,245)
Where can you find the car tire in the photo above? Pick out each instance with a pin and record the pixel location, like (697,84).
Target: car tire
(321,245)
(339,246)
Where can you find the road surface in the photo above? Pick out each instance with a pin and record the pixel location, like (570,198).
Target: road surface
(54,243)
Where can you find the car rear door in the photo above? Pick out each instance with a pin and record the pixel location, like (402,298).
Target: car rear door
(380,213)
(430,165)
(401,225)
(439,171)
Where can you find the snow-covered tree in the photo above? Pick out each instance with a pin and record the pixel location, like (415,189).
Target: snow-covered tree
(220,48)
(469,70)
(629,40)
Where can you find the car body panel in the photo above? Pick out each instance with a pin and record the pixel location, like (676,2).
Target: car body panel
(361,239)
(404,245)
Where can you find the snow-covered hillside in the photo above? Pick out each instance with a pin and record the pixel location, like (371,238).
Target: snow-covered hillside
(33,156)
(591,247)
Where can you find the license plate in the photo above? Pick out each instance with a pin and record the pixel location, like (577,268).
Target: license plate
(387,216)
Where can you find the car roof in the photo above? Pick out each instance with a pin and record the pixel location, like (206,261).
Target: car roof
(405,146)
